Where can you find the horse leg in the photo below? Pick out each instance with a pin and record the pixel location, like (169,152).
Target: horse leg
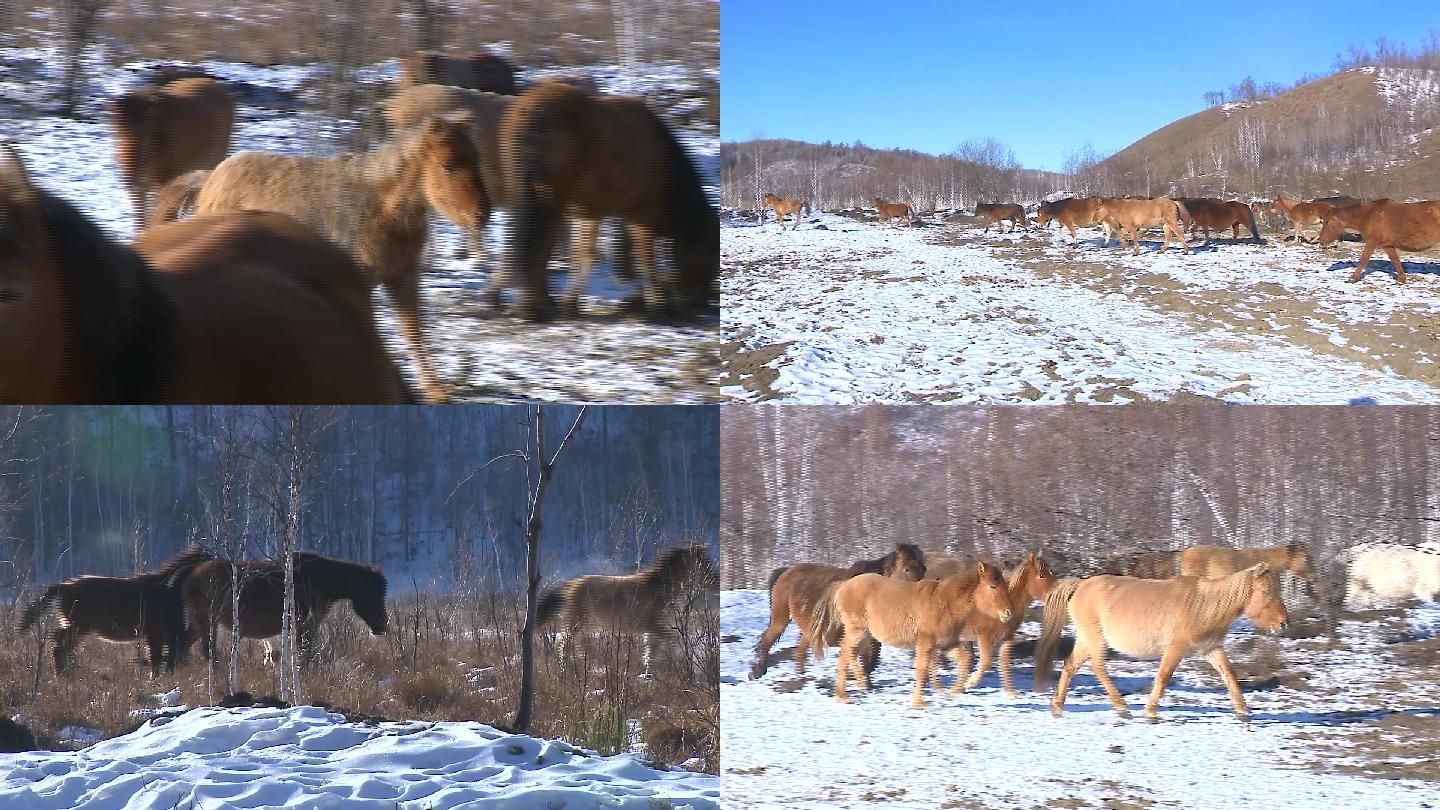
(1399,267)
(987,655)
(963,659)
(1097,663)
(1007,684)
(1078,657)
(1221,664)
(779,620)
(847,654)
(869,660)
(1168,662)
(1364,259)
(802,651)
(656,293)
(63,641)
(404,291)
(924,659)
(582,258)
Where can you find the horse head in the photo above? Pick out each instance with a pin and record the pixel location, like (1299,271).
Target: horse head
(1264,607)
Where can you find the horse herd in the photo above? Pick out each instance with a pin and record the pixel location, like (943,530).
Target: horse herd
(188,597)
(263,293)
(1150,605)
(1385,224)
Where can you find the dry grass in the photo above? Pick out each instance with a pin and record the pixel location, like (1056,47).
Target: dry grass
(444,658)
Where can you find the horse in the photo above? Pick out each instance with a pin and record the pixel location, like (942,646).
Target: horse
(1206,213)
(1070,212)
(1387,224)
(1300,212)
(783,208)
(146,607)
(1123,215)
(646,603)
(163,131)
(995,213)
(1378,575)
(1026,582)
(927,616)
(478,71)
(1167,619)
(795,591)
(888,211)
(320,582)
(567,152)
(241,308)
(373,204)
(1218,561)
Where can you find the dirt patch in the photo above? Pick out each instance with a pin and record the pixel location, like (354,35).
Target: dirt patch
(748,367)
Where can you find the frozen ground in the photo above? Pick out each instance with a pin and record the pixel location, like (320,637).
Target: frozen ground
(308,757)
(849,311)
(606,356)
(1354,723)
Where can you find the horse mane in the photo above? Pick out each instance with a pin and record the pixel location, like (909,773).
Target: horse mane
(180,565)
(120,320)
(672,563)
(311,563)
(690,213)
(1219,600)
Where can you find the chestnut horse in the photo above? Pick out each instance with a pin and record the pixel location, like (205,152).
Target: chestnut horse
(1167,619)
(1207,214)
(791,207)
(1071,212)
(161,132)
(1300,212)
(888,211)
(479,71)
(796,590)
(241,308)
(995,213)
(569,153)
(1028,581)
(320,582)
(928,616)
(373,204)
(1122,215)
(645,603)
(146,607)
(1387,224)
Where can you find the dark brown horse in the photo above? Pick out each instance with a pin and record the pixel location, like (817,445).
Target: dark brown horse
(795,591)
(161,132)
(995,213)
(146,607)
(1207,214)
(569,153)
(241,308)
(320,582)
(478,71)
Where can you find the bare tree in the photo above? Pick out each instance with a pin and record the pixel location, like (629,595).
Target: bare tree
(79,20)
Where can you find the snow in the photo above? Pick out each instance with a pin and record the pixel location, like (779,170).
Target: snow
(877,313)
(308,757)
(606,355)
(788,743)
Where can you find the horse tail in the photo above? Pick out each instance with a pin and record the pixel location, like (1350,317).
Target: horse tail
(176,197)
(35,609)
(1254,229)
(775,576)
(1057,615)
(551,603)
(824,619)
(1184,213)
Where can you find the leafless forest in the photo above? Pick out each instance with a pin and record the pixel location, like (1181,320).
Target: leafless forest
(837,484)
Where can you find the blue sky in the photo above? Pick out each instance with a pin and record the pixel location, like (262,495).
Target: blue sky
(1042,77)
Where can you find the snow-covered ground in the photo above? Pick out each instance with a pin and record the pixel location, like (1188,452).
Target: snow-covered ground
(1350,724)
(845,311)
(308,757)
(605,356)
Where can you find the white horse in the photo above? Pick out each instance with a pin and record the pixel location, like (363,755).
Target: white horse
(1383,574)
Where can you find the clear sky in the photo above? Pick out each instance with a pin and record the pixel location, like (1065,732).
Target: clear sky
(1043,77)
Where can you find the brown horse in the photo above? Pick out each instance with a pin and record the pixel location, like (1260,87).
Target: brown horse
(1167,619)
(320,582)
(796,590)
(1026,582)
(162,132)
(1207,214)
(569,153)
(1144,564)
(927,616)
(1387,224)
(888,211)
(646,603)
(146,607)
(240,308)
(1072,212)
(1301,213)
(995,213)
(373,204)
(1218,561)
(478,71)
(782,208)
(1123,215)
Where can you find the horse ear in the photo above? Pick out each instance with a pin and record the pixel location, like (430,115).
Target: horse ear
(1261,569)
(14,180)
(980,568)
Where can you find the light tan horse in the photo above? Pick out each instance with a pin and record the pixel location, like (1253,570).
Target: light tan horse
(161,132)
(1132,216)
(1167,619)
(996,213)
(1300,212)
(1219,561)
(374,204)
(783,208)
(645,604)
(244,308)
(1387,224)
(1071,212)
(888,211)
(795,591)
(927,616)
(1027,582)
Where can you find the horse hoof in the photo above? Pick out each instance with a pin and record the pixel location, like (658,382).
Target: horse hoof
(1124,713)
(1056,711)
(1152,719)
(1011,693)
